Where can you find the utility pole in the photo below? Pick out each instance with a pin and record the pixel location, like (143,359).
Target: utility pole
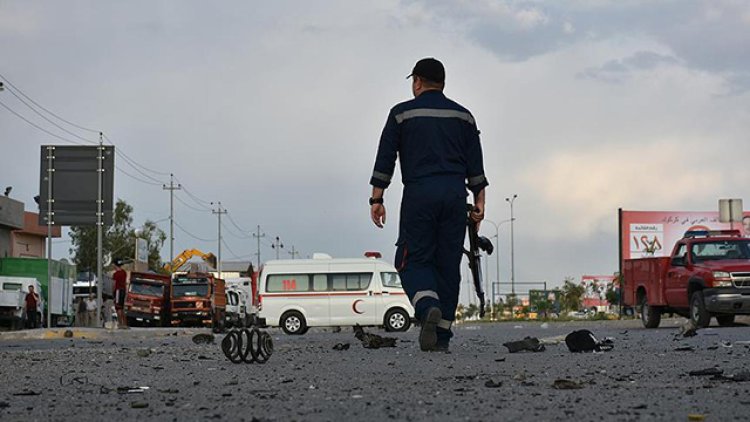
(512,257)
(293,252)
(258,235)
(219,212)
(99,231)
(278,246)
(171,188)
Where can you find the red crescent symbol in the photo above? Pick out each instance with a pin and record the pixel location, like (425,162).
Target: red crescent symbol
(354,306)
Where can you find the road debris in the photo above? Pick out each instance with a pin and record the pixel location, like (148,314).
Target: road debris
(203,338)
(684,349)
(689,329)
(131,390)
(530,344)
(585,341)
(143,353)
(706,372)
(27,393)
(138,405)
(738,377)
(493,384)
(373,341)
(341,346)
(68,334)
(566,384)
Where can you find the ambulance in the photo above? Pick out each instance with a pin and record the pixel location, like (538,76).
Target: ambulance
(325,292)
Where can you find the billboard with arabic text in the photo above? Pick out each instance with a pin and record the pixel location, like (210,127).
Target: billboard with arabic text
(654,233)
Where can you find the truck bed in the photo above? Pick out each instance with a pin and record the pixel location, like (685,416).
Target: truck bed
(647,273)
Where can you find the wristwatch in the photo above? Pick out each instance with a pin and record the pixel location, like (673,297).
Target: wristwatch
(374,201)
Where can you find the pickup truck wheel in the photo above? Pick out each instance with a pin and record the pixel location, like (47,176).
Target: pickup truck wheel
(698,312)
(725,320)
(293,323)
(650,315)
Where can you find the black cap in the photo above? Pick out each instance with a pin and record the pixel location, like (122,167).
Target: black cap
(118,262)
(430,69)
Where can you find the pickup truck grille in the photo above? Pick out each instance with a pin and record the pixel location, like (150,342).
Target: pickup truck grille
(741,279)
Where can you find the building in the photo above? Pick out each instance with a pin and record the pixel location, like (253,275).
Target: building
(235,269)
(11,218)
(31,240)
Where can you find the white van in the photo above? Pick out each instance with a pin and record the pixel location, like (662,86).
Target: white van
(325,292)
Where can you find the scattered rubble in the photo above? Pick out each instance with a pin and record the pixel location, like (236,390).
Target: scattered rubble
(373,341)
(689,329)
(341,346)
(530,344)
(706,372)
(566,384)
(203,339)
(493,384)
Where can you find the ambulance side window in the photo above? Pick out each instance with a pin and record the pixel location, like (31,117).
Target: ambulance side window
(320,282)
(390,280)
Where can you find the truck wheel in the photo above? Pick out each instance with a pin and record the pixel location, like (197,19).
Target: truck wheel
(293,323)
(725,320)
(698,312)
(650,315)
(396,320)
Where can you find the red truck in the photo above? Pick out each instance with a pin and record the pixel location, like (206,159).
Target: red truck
(147,299)
(198,299)
(707,275)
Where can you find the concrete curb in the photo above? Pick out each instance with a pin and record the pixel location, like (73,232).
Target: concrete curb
(96,333)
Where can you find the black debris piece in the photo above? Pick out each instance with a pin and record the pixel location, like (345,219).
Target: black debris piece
(738,377)
(530,344)
(203,339)
(27,393)
(493,384)
(138,405)
(566,384)
(585,341)
(705,372)
(684,349)
(689,329)
(341,346)
(373,341)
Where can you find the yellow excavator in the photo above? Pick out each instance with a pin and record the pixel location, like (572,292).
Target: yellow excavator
(185,256)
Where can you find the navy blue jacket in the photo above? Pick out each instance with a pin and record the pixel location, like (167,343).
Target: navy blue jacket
(432,136)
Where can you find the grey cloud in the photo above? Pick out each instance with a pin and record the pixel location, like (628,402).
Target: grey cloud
(704,35)
(616,70)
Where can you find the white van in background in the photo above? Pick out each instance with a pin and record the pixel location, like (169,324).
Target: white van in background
(325,292)
(13,300)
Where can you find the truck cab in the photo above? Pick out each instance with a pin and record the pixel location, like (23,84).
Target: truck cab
(707,275)
(147,299)
(198,299)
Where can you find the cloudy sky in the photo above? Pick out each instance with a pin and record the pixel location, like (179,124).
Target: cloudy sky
(275,109)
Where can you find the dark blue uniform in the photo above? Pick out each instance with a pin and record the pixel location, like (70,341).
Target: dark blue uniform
(437,142)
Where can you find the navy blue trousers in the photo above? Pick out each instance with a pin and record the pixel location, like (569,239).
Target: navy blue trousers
(430,246)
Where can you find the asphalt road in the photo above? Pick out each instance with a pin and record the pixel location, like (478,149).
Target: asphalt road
(642,378)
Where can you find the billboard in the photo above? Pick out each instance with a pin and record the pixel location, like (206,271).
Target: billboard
(595,293)
(75,184)
(654,233)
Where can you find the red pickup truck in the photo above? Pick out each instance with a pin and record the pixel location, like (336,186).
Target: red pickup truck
(708,275)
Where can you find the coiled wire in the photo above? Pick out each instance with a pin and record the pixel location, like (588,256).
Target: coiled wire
(247,345)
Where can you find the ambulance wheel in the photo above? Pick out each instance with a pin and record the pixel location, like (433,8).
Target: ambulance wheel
(396,320)
(698,313)
(293,323)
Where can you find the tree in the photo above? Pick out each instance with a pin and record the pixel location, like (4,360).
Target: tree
(572,293)
(118,240)
(471,310)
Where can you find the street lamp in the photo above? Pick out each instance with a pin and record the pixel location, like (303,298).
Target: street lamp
(497,261)
(512,258)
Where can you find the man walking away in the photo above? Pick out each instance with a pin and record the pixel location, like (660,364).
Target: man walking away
(120,277)
(32,302)
(437,143)
(91,320)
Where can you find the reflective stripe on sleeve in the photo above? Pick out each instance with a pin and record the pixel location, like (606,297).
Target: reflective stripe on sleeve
(477,180)
(382,176)
(434,112)
(445,324)
(423,294)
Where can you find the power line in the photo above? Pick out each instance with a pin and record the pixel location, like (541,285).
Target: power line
(12,91)
(234,223)
(238,236)
(160,173)
(234,255)
(190,206)
(192,235)
(39,127)
(136,178)
(42,107)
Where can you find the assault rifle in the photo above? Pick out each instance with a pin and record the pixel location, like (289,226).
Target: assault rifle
(477,244)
